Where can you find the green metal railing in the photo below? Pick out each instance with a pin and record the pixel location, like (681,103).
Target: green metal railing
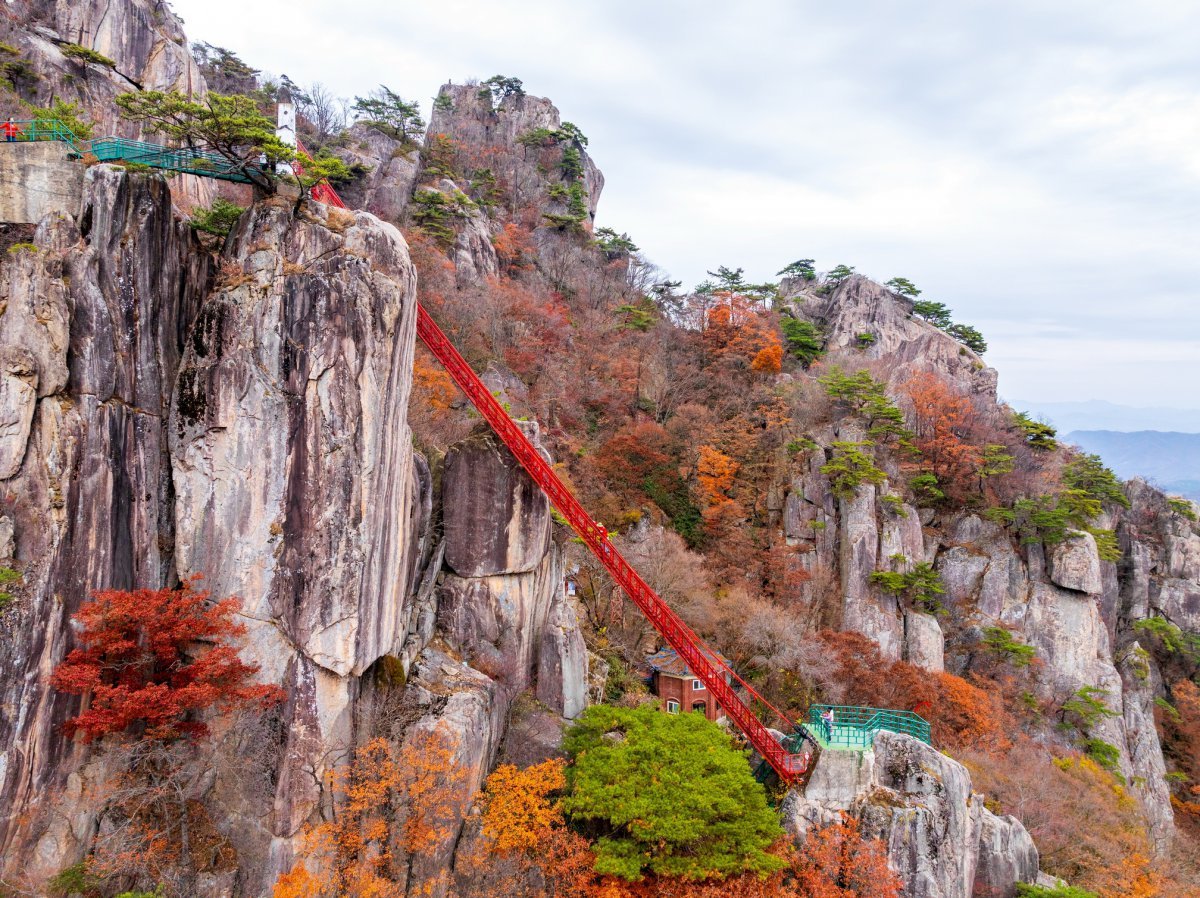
(182,159)
(47,129)
(856,727)
(119,149)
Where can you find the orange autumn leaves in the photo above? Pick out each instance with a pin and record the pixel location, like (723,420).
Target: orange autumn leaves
(523,845)
(394,805)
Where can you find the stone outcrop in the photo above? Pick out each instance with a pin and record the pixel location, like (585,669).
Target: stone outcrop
(95,319)
(37,179)
(144,40)
(290,438)
(1074,564)
(504,605)
(940,838)
(470,117)
(386,188)
(496,519)
(858,306)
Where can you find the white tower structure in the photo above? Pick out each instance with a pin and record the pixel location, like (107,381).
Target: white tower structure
(285,126)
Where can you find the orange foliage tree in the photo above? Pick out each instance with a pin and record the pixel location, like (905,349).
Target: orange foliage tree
(393,806)
(960,713)
(942,421)
(139,663)
(837,862)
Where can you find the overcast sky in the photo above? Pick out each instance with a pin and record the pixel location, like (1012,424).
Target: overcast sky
(1033,165)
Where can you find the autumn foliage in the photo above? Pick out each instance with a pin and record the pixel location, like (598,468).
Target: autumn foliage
(837,862)
(157,659)
(961,713)
(393,805)
(942,421)
(528,850)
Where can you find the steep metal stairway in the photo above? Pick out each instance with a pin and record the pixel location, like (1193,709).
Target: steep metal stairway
(705,665)
(784,759)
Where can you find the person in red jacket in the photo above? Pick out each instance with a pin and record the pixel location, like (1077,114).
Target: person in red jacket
(11,130)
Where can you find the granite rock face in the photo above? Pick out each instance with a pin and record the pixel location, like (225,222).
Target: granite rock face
(143,38)
(386,189)
(1007,856)
(858,305)
(496,519)
(290,438)
(95,322)
(1075,564)
(940,839)
(472,119)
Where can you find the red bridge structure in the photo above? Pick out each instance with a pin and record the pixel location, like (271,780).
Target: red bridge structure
(703,662)
(789,766)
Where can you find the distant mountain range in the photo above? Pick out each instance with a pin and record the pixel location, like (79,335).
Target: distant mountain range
(1169,459)
(1099,415)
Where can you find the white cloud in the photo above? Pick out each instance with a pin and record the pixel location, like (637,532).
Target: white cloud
(1031,165)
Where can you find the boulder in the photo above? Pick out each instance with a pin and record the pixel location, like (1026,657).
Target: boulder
(924,645)
(1074,564)
(1007,856)
(496,519)
(498,622)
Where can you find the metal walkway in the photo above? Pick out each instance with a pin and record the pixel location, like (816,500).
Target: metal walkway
(186,160)
(785,759)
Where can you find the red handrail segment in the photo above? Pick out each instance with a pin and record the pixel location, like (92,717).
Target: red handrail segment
(707,666)
(322,192)
(678,635)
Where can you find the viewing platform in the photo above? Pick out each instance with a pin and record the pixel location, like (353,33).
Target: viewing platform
(854,728)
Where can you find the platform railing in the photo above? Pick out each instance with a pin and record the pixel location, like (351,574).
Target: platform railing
(855,727)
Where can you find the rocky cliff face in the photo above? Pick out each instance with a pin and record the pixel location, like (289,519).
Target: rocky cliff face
(940,838)
(164,414)
(92,335)
(152,428)
(472,119)
(1075,609)
(143,39)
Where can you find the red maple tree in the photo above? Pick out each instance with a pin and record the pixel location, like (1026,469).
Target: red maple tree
(156,659)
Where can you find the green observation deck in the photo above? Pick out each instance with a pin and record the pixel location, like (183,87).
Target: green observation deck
(188,160)
(47,129)
(854,728)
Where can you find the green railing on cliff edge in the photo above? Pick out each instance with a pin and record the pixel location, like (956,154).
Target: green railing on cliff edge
(120,149)
(47,129)
(855,728)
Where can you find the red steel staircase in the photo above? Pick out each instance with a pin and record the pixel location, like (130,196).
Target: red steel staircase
(704,664)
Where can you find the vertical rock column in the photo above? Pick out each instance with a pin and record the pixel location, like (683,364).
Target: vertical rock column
(90,339)
(293,467)
(503,605)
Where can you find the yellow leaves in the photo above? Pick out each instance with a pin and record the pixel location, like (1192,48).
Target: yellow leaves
(715,471)
(519,812)
(296,883)
(385,797)
(769,359)
(431,784)
(1134,878)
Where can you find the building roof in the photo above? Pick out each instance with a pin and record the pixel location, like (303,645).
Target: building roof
(667,661)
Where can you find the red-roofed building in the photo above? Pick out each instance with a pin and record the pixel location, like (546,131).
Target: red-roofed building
(678,689)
